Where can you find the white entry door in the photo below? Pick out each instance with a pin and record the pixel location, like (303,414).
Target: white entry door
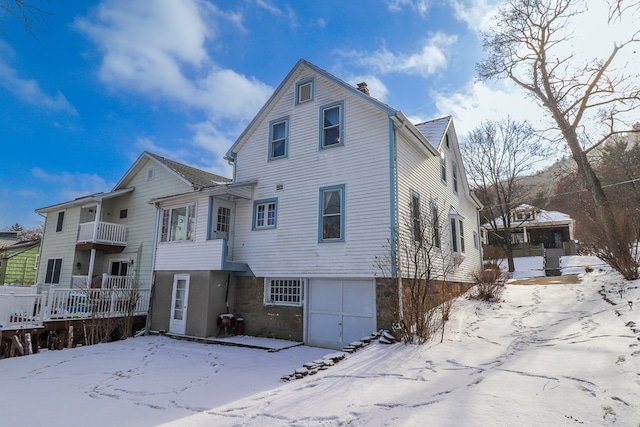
(179,299)
(340,311)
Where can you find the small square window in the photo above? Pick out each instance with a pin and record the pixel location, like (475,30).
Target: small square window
(123,213)
(304,91)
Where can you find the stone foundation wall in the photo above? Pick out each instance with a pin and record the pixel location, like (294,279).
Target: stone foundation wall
(387,298)
(260,320)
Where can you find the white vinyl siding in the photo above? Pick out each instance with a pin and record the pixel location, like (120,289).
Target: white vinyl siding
(295,240)
(417,174)
(203,253)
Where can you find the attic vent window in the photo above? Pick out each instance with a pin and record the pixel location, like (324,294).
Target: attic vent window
(304,91)
(279,187)
(150,174)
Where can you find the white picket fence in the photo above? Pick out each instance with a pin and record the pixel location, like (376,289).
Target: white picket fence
(21,311)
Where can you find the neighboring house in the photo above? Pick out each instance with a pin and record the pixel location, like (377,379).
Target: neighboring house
(535,232)
(8,238)
(18,263)
(324,177)
(107,240)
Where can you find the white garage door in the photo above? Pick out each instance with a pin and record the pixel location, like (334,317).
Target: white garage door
(340,311)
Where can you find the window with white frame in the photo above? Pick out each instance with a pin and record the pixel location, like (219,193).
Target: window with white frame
(332,214)
(454,176)
(443,167)
(331,119)
(178,224)
(304,91)
(52,275)
(278,138)
(475,239)
(283,291)
(265,214)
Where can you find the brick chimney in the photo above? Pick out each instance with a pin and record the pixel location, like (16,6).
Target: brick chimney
(362,87)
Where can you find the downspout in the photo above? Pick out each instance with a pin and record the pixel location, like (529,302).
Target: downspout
(147,325)
(393,203)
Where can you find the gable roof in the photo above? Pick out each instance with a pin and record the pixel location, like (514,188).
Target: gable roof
(191,176)
(287,81)
(434,130)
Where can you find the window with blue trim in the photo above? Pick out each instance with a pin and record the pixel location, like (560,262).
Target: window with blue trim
(332,214)
(304,91)
(265,214)
(331,128)
(278,138)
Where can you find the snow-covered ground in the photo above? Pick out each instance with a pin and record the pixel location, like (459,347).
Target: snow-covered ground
(546,356)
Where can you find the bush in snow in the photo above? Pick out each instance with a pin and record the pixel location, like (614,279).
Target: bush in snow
(489,283)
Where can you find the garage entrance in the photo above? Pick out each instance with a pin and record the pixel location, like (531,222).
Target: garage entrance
(340,311)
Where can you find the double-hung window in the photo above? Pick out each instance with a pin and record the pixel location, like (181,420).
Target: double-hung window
(178,224)
(54,265)
(332,214)
(265,214)
(443,167)
(331,125)
(279,138)
(283,291)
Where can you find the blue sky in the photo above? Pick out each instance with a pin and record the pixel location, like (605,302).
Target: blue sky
(102,81)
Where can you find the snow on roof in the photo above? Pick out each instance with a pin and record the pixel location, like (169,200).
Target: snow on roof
(541,217)
(434,130)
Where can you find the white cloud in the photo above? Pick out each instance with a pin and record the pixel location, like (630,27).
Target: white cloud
(269,7)
(479,101)
(158,49)
(377,89)
(29,90)
(477,14)
(421,6)
(72,185)
(430,58)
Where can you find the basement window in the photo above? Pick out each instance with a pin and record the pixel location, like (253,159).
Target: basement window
(283,291)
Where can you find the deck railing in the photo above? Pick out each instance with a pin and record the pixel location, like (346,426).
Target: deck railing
(107,233)
(31,311)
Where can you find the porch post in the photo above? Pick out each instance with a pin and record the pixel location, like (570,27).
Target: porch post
(524,231)
(92,261)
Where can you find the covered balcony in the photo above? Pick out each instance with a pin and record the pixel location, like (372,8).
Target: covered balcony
(100,235)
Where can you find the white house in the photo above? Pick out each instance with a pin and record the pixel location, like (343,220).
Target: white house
(325,178)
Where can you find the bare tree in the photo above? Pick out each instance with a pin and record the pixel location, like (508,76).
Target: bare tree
(423,260)
(498,155)
(28,234)
(528,47)
(26,12)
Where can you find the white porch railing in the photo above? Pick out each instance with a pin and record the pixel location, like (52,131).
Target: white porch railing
(107,233)
(31,311)
(21,311)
